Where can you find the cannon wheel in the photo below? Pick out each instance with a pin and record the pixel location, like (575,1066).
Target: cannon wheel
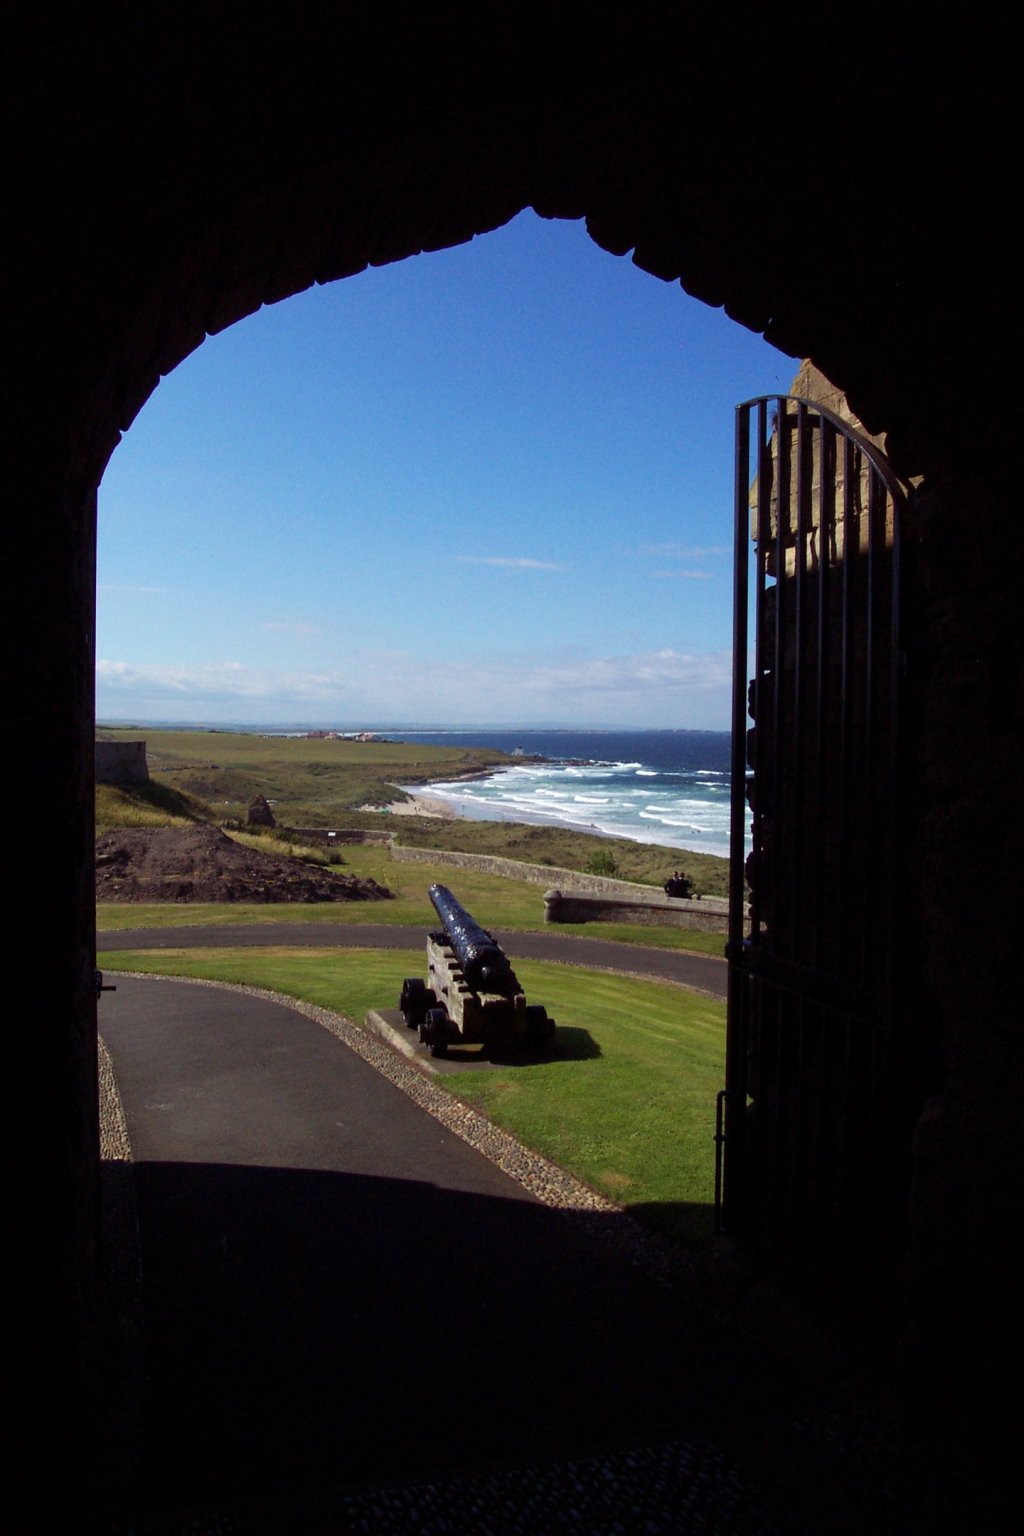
(414,1000)
(427,1023)
(411,994)
(540,1030)
(435,1031)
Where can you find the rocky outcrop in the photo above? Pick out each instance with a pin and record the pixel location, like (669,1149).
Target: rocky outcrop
(259,813)
(201,863)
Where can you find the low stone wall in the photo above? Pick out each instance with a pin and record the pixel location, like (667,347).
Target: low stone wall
(577,897)
(709,915)
(533,874)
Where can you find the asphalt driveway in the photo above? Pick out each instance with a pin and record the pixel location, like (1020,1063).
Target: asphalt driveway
(337,1288)
(704,973)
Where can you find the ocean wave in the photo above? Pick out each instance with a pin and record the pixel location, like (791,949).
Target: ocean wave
(675,821)
(671,805)
(677,806)
(590,770)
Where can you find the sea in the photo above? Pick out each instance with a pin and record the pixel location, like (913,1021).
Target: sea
(665,787)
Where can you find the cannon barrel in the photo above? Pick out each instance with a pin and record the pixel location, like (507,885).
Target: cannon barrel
(484,964)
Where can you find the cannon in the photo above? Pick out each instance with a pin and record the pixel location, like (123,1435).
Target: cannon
(472,995)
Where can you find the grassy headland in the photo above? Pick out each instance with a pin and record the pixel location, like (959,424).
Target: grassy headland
(309,781)
(309,778)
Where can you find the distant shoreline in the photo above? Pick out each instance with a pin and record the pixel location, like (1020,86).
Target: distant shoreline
(632,787)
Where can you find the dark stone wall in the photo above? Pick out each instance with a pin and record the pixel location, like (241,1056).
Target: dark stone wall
(170,169)
(179,169)
(121,762)
(964,1272)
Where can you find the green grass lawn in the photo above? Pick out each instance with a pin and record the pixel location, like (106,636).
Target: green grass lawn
(494,901)
(629,1109)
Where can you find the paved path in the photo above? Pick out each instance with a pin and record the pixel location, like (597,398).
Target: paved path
(354,1321)
(704,973)
(338,1288)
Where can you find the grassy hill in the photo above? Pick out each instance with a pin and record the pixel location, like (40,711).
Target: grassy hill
(562,847)
(309,782)
(213,775)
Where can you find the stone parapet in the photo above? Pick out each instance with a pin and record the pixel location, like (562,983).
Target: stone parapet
(709,915)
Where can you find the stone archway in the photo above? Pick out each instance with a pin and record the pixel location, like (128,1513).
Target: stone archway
(176,172)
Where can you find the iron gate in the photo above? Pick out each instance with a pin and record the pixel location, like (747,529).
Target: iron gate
(809,1118)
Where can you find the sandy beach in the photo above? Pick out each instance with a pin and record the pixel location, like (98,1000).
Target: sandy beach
(417,805)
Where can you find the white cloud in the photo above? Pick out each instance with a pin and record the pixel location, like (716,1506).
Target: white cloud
(682,575)
(224,680)
(650,673)
(665,687)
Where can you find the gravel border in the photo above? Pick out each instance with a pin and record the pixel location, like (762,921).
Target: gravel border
(121,1378)
(115,1145)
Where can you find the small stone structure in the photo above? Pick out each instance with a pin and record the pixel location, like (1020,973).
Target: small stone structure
(121,762)
(259,813)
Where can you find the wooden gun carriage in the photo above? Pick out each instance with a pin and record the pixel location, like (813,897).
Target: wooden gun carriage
(471,995)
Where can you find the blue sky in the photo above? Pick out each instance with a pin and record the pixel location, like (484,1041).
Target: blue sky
(488,485)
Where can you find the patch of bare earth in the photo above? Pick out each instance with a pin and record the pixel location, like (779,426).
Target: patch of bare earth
(201,863)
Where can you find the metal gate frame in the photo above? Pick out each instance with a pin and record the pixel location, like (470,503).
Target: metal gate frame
(825,695)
